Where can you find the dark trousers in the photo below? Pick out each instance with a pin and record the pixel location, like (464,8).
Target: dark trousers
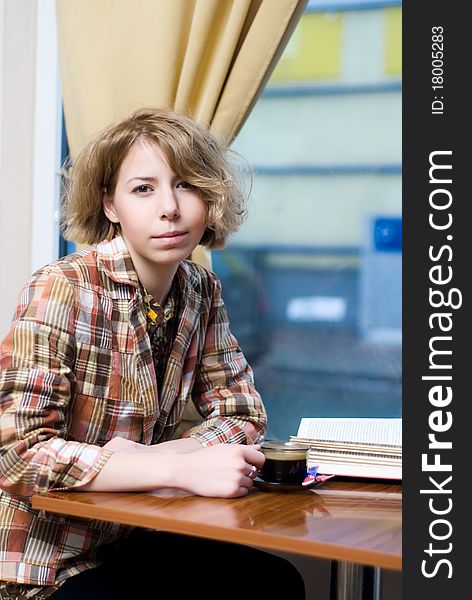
(152,564)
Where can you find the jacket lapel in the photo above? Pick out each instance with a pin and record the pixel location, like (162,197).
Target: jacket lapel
(178,379)
(115,260)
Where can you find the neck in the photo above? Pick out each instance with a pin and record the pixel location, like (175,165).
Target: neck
(158,284)
(156,279)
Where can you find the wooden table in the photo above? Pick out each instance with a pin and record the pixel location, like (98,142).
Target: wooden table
(356,525)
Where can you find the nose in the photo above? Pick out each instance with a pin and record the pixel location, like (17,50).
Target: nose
(168,206)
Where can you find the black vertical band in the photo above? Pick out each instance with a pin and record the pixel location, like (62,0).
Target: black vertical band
(436,318)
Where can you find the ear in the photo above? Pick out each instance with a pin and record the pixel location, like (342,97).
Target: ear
(109,207)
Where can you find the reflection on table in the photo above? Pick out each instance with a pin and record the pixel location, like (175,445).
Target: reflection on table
(347,521)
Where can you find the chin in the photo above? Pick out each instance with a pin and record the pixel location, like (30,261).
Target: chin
(172,256)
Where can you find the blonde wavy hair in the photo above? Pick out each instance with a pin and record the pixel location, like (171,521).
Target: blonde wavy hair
(192,152)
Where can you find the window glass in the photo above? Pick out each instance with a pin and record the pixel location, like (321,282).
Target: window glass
(314,50)
(65,246)
(312,282)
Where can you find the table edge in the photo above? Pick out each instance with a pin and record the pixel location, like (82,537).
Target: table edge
(261,539)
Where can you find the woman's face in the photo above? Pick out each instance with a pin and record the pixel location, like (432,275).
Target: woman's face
(162,218)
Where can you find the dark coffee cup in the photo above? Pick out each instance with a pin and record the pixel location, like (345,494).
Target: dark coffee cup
(285,462)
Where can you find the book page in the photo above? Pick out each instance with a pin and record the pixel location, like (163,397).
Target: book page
(366,431)
(383,449)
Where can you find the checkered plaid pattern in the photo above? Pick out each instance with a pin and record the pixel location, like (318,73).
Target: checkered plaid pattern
(77,370)
(17,591)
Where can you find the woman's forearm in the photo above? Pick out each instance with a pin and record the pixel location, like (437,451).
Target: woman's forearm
(180,446)
(136,471)
(222,470)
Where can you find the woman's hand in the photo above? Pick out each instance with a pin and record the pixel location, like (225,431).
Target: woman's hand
(223,470)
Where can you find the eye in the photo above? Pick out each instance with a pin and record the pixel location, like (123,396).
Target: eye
(184,184)
(142,189)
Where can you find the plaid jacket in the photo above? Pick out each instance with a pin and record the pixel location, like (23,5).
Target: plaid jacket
(77,370)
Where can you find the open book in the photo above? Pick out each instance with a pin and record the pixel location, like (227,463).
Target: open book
(353,447)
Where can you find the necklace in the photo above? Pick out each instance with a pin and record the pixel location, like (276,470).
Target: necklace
(151,313)
(154,312)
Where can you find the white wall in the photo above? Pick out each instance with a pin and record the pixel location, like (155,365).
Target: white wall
(47,140)
(28,144)
(17,73)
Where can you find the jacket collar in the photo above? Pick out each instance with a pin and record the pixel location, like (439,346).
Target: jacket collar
(115,259)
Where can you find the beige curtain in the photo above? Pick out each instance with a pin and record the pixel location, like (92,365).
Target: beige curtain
(207,58)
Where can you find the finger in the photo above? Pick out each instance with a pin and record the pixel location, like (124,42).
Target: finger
(254,457)
(252,473)
(247,482)
(241,490)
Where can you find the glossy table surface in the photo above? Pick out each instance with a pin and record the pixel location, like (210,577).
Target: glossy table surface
(341,520)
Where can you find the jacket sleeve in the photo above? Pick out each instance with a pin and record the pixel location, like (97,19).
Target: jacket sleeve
(224,392)
(36,380)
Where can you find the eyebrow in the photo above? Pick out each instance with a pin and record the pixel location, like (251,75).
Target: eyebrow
(144,178)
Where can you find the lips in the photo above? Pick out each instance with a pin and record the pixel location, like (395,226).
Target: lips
(171,239)
(170,234)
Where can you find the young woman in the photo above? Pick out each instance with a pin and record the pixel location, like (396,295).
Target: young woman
(106,349)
